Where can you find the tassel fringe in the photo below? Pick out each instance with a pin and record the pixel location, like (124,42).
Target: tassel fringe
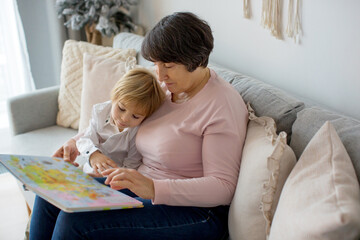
(270,16)
(293,29)
(246,9)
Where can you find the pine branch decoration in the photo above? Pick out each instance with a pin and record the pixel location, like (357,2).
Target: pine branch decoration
(109,15)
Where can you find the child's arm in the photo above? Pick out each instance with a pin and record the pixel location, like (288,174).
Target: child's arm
(134,158)
(89,142)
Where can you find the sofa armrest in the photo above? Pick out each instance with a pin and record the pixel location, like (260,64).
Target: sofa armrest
(34,110)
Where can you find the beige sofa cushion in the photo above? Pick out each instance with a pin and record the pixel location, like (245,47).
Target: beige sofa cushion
(266,162)
(321,198)
(72,75)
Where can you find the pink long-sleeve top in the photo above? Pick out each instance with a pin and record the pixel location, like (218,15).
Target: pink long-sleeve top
(192,150)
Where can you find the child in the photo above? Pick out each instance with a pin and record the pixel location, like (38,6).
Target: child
(109,141)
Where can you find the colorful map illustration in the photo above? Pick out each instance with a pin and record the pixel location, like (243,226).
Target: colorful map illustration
(64,185)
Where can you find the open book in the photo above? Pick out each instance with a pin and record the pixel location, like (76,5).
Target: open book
(64,185)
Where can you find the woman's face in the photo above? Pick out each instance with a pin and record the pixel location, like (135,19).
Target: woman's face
(125,116)
(176,77)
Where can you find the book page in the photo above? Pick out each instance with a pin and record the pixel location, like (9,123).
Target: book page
(64,185)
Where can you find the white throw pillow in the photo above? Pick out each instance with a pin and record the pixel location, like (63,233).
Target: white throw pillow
(321,198)
(99,76)
(266,163)
(72,76)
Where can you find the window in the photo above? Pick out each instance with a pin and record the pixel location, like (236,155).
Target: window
(15,74)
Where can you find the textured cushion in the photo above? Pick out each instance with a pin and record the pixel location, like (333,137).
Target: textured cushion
(266,163)
(264,98)
(99,76)
(71,77)
(321,197)
(311,119)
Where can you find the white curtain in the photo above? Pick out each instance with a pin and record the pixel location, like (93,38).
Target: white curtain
(15,73)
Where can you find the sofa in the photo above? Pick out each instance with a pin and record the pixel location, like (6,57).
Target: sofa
(33,119)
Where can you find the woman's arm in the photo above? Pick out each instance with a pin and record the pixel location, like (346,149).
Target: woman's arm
(199,162)
(122,178)
(221,161)
(221,156)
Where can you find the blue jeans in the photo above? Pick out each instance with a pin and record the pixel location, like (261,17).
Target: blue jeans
(151,222)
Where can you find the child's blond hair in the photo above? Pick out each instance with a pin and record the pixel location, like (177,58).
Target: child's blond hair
(140,87)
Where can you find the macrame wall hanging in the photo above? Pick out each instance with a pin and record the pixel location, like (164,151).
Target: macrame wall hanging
(246,9)
(270,17)
(293,27)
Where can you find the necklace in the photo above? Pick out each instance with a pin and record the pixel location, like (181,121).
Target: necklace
(183,97)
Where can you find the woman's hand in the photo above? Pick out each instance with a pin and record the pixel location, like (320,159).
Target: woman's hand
(68,152)
(99,162)
(121,178)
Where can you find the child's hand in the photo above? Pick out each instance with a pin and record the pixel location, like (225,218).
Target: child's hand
(68,151)
(99,162)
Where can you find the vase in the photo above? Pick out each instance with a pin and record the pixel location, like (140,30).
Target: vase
(92,35)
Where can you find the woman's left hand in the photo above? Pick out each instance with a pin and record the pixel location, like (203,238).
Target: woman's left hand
(122,178)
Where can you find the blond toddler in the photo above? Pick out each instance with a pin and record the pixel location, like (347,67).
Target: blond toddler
(109,140)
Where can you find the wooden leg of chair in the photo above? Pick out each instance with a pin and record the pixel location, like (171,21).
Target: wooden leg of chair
(28,209)
(27,230)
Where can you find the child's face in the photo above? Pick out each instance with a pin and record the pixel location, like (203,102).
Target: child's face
(126,116)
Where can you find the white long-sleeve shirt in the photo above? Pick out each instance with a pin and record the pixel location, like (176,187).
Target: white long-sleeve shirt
(104,136)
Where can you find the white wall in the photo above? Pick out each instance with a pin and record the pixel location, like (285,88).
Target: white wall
(324,67)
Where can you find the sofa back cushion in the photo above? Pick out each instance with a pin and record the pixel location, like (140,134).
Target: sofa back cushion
(310,120)
(264,98)
(126,40)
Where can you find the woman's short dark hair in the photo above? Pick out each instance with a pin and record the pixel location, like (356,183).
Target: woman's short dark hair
(181,38)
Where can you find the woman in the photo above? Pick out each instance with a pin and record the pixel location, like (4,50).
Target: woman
(191,148)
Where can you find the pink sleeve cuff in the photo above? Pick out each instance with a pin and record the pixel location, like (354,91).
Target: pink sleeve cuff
(161,192)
